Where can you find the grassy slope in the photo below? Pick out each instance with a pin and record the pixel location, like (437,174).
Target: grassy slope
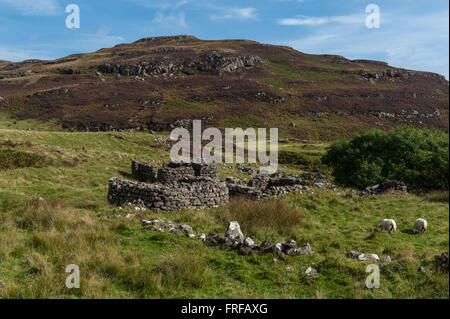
(118,258)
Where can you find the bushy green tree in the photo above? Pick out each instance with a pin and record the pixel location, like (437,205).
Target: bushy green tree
(416,157)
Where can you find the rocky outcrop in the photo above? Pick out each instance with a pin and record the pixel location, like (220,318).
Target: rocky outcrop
(398,73)
(167,38)
(211,62)
(60,91)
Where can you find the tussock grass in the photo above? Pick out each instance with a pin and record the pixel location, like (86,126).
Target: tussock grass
(438,197)
(181,269)
(259,217)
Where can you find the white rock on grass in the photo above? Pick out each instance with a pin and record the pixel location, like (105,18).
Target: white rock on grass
(234,232)
(364,257)
(311,272)
(248,242)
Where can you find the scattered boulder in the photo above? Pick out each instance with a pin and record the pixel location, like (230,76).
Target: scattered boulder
(305,250)
(362,257)
(311,272)
(386,259)
(442,261)
(245,251)
(280,254)
(186,228)
(266,247)
(290,247)
(234,232)
(248,242)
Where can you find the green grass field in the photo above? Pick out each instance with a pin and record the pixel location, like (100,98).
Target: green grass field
(118,258)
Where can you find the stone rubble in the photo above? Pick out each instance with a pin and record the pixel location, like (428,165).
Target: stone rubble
(386,186)
(442,261)
(233,239)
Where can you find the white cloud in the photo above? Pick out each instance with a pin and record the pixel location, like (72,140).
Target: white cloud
(236,13)
(414,42)
(162,4)
(171,20)
(313,21)
(14,54)
(34,7)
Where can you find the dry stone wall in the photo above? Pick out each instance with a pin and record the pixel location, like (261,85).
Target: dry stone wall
(171,172)
(144,172)
(174,186)
(190,192)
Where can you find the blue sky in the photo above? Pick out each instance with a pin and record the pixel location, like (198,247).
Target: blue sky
(413,34)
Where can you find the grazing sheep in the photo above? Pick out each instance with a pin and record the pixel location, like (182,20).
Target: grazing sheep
(389,225)
(421,225)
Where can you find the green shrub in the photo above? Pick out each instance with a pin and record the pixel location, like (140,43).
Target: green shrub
(419,158)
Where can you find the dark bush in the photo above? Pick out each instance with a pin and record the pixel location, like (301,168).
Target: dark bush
(416,157)
(10,159)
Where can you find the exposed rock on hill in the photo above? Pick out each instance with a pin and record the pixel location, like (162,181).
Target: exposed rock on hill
(156,83)
(215,62)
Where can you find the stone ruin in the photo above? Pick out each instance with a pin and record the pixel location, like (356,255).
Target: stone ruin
(192,186)
(174,186)
(385,187)
(263,186)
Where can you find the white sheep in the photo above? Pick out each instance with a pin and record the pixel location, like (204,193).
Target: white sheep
(389,225)
(421,225)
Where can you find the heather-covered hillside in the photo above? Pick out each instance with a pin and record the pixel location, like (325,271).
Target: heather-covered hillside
(154,83)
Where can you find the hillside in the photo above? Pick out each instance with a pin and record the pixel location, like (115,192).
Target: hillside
(154,82)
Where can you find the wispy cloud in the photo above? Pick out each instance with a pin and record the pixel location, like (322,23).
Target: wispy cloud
(34,7)
(162,4)
(236,13)
(172,20)
(313,21)
(11,53)
(417,42)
